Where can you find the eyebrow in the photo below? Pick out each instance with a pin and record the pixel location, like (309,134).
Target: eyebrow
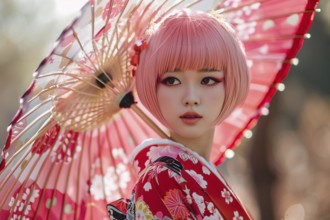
(209,69)
(177,70)
(200,70)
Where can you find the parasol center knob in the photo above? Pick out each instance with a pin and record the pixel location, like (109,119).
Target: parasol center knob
(102,79)
(127,100)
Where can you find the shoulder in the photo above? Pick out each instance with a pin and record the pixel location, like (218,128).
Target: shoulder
(151,150)
(169,184)
(168,154)
(170,166)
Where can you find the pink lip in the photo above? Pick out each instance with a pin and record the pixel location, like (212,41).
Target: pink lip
(190,118)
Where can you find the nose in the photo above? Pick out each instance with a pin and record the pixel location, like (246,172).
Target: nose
(191,97)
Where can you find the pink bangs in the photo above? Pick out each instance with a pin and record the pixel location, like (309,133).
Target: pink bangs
(187,44)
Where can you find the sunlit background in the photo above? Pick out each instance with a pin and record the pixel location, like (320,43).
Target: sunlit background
(282,172)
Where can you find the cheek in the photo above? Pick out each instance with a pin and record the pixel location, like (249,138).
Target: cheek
(165,97)
(217,95)
(166,94)
(216,99)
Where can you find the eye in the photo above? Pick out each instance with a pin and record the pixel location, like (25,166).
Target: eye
(210,81)
(170,81)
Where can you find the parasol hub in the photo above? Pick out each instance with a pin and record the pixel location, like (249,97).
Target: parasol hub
(102,79)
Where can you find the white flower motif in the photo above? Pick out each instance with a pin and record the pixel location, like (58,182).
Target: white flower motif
(200,202)
(17,205)
(27,192)
(183,156)
(120,153)
(237,216)
(97,187)
(206,170)
(210,207)
(186,155)
(124,176)
(20,208)
(11,203)
(227,196)
(193,159)
(35,194)
(147,186)
(198,178)
(108,184)
(27,209)
(111,180)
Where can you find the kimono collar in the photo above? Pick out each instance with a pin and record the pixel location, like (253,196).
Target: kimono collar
(151,149)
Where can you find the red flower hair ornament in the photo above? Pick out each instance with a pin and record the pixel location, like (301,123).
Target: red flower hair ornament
(138,47)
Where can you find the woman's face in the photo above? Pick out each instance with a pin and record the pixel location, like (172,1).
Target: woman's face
(191,101)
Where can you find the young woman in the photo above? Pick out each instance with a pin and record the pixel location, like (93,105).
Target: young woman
(191,76)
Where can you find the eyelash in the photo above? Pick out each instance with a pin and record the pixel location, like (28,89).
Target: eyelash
(215,80)
(166,81)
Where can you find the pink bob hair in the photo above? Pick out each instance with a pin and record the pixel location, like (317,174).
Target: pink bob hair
(191,40)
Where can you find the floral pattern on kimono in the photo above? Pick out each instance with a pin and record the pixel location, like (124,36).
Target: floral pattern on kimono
(176,183)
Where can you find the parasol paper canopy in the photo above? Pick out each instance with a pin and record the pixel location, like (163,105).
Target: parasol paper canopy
(67,151)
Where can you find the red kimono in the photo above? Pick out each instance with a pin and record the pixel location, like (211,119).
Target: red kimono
(176,183)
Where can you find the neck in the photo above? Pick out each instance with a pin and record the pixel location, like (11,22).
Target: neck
(201,145)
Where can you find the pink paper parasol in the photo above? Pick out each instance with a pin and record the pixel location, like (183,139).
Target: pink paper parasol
(68,147)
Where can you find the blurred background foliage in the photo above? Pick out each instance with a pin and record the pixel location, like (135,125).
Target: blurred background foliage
(282,172)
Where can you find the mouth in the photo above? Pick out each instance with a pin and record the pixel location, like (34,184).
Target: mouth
(191,115)
(190,118)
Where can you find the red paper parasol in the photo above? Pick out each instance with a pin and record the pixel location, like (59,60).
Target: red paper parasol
(67,150)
